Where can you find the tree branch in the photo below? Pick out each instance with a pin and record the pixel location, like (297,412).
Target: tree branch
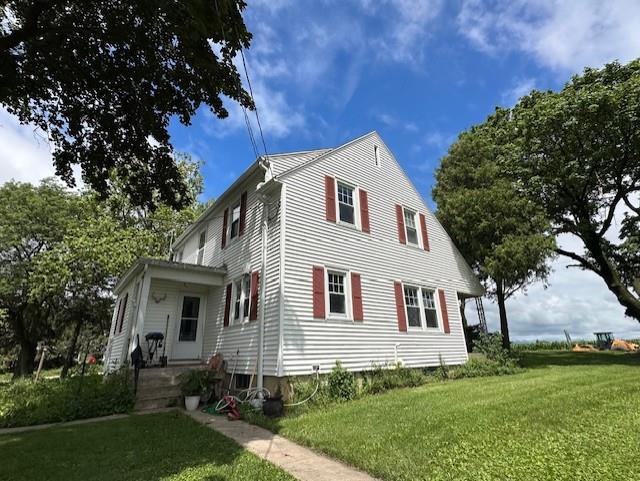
(29,28)
(612,210)
(635,209)
(581,260)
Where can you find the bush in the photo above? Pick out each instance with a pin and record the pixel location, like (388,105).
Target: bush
(382,378)
(25,402)
(194,382)
(477,367)
(342,383)
(490,344)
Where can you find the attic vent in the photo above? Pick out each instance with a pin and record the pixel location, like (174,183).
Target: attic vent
(376,155)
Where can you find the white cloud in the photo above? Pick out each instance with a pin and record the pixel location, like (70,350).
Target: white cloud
(25,154)
(520,88)
(562,35)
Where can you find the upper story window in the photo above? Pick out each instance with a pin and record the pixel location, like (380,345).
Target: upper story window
(201,243)
(421,307)
(346,205)
(241,298)
(235,221)
(337,293)
(410,226)
(376,155)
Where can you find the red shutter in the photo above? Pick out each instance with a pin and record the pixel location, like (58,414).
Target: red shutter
(243,212)
(330,198)
(255,283)
(318,292)
(402,235)
(443,311)
(402,317)
(224,227)
(124,309)
(364,211)
(356,297)
(425,236)
(227,306)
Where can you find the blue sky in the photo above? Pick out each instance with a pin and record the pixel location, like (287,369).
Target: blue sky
(418,72)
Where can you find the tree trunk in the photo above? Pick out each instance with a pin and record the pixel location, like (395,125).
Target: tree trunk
(611,277)
(504,325)
(26,359)
(68,361)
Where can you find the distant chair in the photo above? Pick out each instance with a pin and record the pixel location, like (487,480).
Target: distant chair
(604,340)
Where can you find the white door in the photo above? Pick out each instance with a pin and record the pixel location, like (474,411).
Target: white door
(188,336)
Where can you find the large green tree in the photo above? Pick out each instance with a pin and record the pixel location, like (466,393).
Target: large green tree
(503,235)
(579,160)
(103,79)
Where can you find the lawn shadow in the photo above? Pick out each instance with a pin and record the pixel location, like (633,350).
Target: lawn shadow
(540,359)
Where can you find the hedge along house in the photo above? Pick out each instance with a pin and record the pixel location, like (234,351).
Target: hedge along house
(308,258)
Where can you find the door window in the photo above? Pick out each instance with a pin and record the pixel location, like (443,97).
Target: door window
(189,319)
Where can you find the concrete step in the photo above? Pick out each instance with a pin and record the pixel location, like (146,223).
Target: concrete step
(158,393)
(148,404)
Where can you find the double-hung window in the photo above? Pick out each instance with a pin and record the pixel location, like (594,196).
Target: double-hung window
(346,205)
(410,226)
(241,298)
(412,302)
(429,307)
(202,241)
(421,307)
(235,221)
(337,293)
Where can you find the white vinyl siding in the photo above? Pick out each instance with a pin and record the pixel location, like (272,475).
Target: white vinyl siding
(378,257)
(201,243)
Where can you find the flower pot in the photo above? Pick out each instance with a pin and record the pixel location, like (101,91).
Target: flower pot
(191,402)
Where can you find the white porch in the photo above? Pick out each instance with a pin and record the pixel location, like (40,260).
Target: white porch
(171,298)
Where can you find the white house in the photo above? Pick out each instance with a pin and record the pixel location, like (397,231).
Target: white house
(308,258)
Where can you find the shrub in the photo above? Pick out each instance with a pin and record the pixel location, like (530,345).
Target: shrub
(490,344)
(342,383)
(194,381)
(25,402)
(305,386)
(477,367)
(382,378)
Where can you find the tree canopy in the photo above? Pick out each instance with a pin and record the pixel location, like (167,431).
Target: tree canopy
(580,162)
(103,80)
(503,235)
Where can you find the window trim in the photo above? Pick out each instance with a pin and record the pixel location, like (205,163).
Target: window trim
(423,320)
(416,222)
(241,319)
(348,314)
(201,249)
(233,207)
(356,204)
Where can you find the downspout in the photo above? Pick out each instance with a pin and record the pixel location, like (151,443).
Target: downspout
(264,163)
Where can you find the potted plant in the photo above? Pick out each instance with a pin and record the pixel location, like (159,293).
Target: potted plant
(192,385)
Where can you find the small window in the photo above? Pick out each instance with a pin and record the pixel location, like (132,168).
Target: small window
(337,295)
(429,304)
(345,203)
(413,306)
(235,221)
(241,298)
(376,155)
(410,226)
(201,244)
(177,256)
(242,382)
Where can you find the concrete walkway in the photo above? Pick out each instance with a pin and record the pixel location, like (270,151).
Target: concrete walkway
(303,463)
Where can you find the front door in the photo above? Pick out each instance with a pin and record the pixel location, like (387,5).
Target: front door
(188,337)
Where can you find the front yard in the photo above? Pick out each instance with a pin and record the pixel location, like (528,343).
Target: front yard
(166,446)
(570,416)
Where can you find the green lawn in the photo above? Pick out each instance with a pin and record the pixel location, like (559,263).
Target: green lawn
(6,377)
(153,447)
(569,417)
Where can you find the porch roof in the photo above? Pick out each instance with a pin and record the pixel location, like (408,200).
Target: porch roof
(179,271)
